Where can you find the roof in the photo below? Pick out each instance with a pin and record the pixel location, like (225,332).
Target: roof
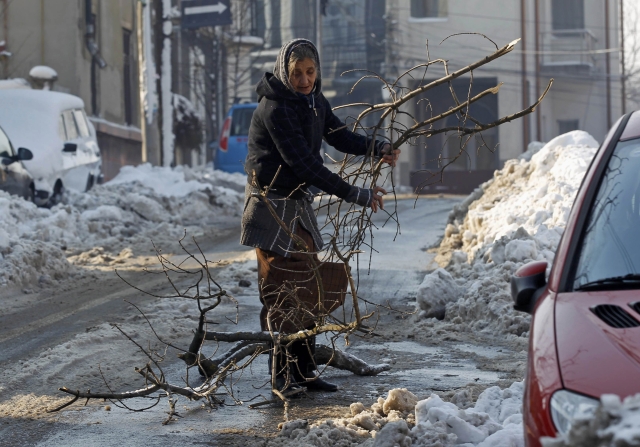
(41,100)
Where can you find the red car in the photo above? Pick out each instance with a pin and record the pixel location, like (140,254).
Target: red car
(585,332)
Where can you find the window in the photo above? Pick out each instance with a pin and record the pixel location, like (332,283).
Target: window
(424,9)
(240,121)
(611,247)
(565,126)
(6,150)
(61,132)
(81,122)
(70,125)
(567,14)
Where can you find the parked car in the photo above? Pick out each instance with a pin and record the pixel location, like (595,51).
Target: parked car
(232,145)
(14,178)
(585,332)
(55,128)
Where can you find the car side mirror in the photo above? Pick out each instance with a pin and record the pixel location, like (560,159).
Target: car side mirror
(70,147)
(527,285)
(24,154)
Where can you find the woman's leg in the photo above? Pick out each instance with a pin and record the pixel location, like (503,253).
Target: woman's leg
(288,313)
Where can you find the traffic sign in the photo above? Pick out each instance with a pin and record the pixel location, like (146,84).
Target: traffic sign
(201,13)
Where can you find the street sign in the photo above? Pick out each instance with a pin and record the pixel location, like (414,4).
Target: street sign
(201,13)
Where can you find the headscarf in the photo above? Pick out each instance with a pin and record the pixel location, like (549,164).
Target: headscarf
(281,68)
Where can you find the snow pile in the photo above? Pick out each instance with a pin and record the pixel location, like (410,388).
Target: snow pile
(615,423)
(516,217)
(113,221)
(402,420)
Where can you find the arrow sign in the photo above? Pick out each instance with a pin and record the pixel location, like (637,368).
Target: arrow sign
(202,13)
(217,8)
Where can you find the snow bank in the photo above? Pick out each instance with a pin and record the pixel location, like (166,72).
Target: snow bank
(615,423)
(517,216)
(402,420)
(141,204)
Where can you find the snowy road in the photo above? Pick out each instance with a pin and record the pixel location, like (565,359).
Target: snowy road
(57,338)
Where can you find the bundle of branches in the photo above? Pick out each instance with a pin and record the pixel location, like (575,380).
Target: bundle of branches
(350,227)
(211,384)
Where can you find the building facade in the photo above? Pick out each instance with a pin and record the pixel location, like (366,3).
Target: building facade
(92,45)
(575,42)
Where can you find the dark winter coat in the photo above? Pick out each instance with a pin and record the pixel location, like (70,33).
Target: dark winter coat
(286,132)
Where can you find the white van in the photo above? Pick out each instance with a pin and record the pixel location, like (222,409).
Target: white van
(55,128)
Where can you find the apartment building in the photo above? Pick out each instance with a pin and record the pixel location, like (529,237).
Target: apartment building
(575,42)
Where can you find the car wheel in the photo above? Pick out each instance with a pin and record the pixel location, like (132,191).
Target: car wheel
(56,197)
(30,196)
(90,182)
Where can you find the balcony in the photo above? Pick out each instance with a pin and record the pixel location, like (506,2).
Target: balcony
(568,51)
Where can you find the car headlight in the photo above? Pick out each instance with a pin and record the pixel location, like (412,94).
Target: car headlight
(567,407)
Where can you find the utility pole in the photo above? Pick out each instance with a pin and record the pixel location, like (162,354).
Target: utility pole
(623,68)
(607,61)
(319,29)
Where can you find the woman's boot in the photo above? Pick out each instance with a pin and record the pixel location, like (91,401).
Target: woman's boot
(284,380)
(303,371)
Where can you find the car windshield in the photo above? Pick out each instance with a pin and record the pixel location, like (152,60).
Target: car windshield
(240,121)
(6,149)
(610,253)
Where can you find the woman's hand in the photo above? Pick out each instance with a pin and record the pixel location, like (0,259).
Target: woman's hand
(389,155)
(377,201)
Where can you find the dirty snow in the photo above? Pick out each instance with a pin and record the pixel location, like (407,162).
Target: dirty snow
(112,222)
(516,217)
(402,420)
(615,423)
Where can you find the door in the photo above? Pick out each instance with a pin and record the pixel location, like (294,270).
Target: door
(13,176)
(76,164)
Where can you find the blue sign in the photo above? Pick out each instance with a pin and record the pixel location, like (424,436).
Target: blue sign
(202,13)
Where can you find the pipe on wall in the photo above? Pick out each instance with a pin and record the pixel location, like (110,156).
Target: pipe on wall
(536,5)
(622,64)
(607,61)
(90,35)
(525,100)
(5,33)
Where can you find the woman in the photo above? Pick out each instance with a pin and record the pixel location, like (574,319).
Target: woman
(286,132)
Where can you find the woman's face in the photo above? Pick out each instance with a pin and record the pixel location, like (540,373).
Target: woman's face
(303,77)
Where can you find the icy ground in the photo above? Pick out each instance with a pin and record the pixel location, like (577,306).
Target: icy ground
(517,216)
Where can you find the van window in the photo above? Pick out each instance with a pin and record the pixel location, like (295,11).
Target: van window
(81,122)
(5,146)
(61,132)
(240,121)
(70,125)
